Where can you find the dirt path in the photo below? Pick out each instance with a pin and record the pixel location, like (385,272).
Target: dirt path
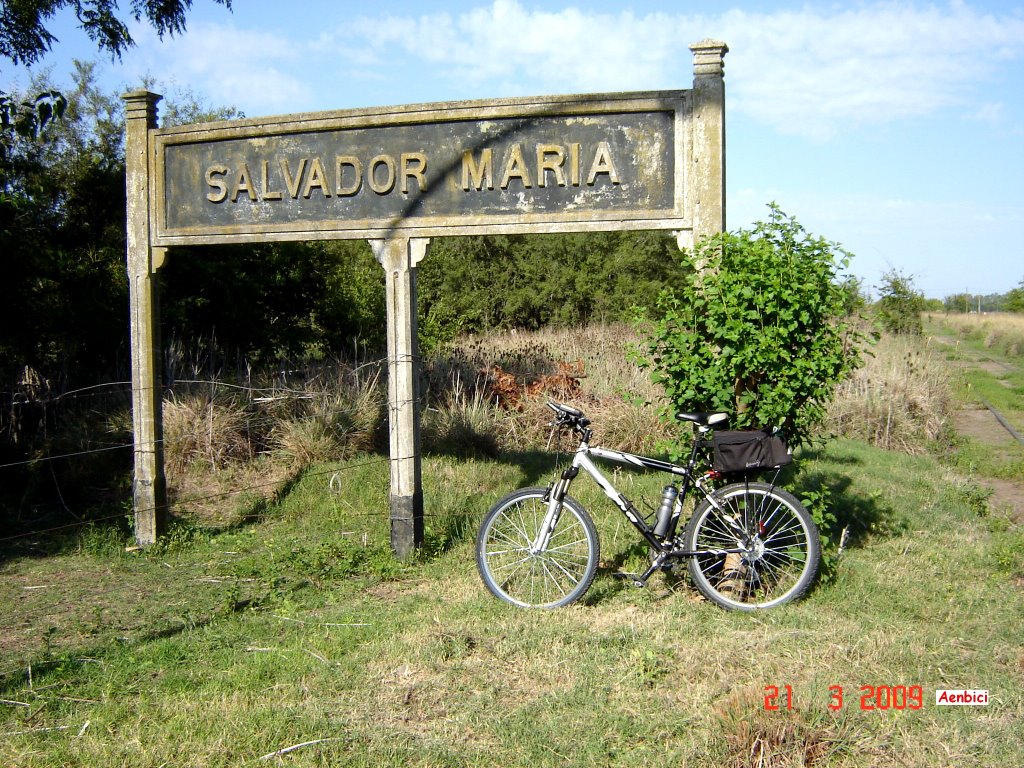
(982,425)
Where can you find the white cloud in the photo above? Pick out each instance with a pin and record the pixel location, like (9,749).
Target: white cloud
(808,72)
(814,73)
(992,112)
(233,66)
(532,50)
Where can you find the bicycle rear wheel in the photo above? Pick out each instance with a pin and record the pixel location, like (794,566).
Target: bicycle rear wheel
(559,575)
(767,547)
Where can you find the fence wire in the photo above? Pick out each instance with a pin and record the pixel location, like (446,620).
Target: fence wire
(258,422)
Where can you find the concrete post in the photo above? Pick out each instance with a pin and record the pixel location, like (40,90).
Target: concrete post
(707,186)
(149,485)
(399,257)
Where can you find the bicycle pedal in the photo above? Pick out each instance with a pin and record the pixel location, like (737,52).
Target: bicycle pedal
(633,578)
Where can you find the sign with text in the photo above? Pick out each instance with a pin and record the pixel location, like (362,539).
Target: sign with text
(511,166)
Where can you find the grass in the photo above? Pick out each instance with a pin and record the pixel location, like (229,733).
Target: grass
(900,399)
(299,628)
(284,633)
(1001,332)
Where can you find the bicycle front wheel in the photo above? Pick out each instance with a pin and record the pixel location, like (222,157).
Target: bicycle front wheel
(758,550)
(514,572)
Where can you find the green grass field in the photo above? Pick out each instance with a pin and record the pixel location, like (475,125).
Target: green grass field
(295,639)
(279,630)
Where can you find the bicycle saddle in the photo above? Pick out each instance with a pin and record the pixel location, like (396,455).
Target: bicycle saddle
(704,419)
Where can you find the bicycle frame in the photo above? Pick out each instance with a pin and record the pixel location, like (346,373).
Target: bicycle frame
(664,546)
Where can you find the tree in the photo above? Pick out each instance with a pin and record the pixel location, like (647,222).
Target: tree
(62,237)
(957,302)
(25,39)
(758,328)
(268,301)
(26,117)
(1015,299)
(900,304)
(470,284)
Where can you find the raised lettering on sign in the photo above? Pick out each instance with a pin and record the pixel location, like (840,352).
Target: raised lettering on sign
(478,170)
(541,165)
(309,174)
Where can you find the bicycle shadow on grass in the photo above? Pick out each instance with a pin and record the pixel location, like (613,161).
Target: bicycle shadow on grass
(536,467)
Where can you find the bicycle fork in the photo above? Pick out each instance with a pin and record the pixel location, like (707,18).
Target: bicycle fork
(556,494)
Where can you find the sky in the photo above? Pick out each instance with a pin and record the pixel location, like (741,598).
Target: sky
(895,129)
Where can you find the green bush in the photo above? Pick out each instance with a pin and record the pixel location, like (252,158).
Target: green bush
(900,305)
(757,328)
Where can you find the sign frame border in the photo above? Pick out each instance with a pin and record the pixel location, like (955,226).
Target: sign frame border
(680,217)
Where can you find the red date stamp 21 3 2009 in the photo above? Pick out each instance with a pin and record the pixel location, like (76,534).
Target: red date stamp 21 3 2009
(870,697)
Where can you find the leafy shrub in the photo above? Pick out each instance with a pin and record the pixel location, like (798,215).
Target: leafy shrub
(900,305)
(757,328)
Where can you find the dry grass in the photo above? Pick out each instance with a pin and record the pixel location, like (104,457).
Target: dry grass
(485,395)
(900,398)
(785,739)
(330,418)
(588,367)
(205,430)
(463,424)
(999,331)
(229,446)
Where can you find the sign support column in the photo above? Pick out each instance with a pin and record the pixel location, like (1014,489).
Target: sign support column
(399,257)
(708,188)
(149,486)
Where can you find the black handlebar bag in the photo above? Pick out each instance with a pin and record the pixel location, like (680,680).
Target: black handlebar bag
(749,450)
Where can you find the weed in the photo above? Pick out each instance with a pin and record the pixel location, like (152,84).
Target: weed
(972,495)
(104,539)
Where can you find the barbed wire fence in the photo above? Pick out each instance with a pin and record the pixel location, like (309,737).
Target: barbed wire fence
(261,406)
(57,520)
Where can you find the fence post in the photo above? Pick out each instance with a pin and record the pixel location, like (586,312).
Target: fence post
(149,487)
(399,257)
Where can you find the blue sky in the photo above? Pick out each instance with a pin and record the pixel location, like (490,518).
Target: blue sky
(895,128)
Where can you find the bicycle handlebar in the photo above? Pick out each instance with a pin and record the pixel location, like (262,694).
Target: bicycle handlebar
(568,416)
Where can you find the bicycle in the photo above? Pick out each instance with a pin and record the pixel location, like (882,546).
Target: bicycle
(748,545)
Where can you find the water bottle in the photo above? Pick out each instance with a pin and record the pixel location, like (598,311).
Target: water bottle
(668,501)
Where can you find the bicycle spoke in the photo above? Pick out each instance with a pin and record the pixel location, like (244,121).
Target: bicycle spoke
(794,527)
(554,580)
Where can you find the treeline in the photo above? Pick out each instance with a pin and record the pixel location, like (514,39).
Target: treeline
(64,316)
(1011,301)
(473,284)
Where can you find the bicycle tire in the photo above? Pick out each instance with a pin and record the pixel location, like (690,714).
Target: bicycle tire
(551,579)
(781,549)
